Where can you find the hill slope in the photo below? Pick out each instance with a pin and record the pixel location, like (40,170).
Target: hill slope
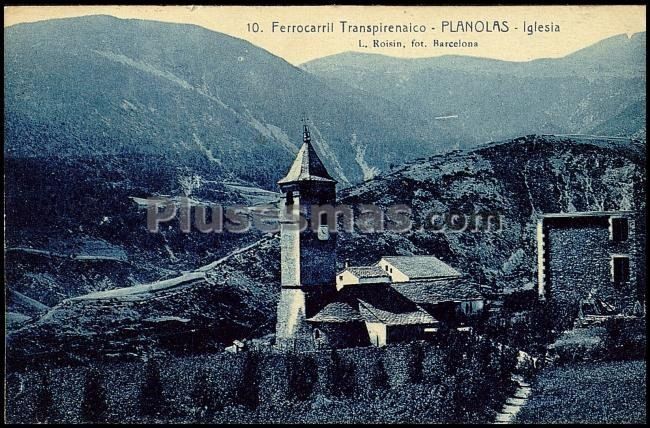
(488,99)
(237,296)
(99,84)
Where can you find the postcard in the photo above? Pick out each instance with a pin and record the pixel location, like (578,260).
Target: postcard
(325,214)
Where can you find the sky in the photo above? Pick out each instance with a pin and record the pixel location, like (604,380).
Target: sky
(579,26)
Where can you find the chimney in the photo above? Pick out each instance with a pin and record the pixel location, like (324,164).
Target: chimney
(347,263)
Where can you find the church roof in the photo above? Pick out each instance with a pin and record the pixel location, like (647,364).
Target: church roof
(337,312)
(371,313)
(307,166)
(422,266)
(367,271)
(377,303)
(438,291)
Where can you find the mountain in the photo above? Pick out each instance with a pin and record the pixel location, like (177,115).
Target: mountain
(489,100)
(101,113)
(99,84)
(515,181)
(235,297)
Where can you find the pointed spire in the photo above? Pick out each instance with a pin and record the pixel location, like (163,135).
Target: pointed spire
(307,166)
(306,138)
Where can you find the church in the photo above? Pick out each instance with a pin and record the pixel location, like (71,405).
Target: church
(398,299)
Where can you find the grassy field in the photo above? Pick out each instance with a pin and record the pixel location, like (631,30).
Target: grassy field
(604,392)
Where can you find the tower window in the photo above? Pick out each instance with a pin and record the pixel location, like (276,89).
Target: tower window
(323,228)
(620,269)
(619,229)
(323,219)
(289,200)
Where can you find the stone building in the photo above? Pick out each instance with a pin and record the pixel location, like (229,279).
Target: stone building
(590,257)
(398,299)
(308,254)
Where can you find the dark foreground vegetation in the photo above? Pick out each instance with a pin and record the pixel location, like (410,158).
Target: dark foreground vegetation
(464,380)
(599,392)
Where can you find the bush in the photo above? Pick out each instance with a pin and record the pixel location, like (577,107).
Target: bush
(625,339)
(340,376)
(416,363)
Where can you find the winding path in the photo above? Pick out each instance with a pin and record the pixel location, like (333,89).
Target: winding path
(514,404)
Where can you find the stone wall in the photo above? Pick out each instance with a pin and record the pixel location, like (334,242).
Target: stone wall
(578,253)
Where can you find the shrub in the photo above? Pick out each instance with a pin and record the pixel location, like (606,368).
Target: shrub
(625,339)
(340,376)
(416,362)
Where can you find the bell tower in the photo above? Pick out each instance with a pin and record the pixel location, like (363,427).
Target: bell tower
(308,246)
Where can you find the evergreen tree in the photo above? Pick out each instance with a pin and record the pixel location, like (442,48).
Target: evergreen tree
(45,412)
(349,380)
(93,406)
(152,400)
(416,366)
(333,374)
(341,381)
(302,373)
(203,394)
(379,380)
(248,393)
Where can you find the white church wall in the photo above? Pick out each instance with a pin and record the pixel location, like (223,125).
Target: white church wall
(395,274)
(376,333)
(345,278)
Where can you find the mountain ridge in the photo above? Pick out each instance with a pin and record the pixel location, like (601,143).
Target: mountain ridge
(237,297)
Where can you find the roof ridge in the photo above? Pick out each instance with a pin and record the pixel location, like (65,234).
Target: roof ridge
(307,166)
(366,307)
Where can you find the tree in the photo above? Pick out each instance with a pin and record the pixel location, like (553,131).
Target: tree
(340,376)
(302,373)
(379,380)
(203,393)
(416,368)
(248,390)
(93,406)
(341,380)
(152,399)
(45,412)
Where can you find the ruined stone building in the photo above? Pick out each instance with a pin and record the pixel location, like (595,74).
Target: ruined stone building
(397,299)
(591,257)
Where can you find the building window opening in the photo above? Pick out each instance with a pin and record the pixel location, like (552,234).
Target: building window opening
(289,200)
(620,269)
(323,227)
(620,229)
